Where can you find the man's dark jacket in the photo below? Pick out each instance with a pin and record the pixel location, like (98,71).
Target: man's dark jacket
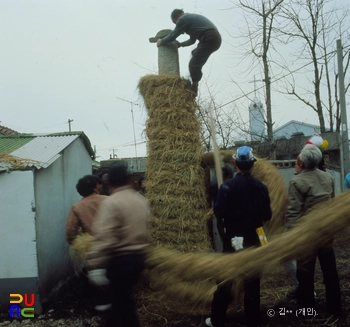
(242,205)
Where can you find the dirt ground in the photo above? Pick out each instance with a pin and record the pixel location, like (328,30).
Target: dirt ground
(76,310)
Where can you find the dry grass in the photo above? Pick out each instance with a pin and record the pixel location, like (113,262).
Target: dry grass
(16,162)
(314,230)
(267,173)
(174,177)
(79,249)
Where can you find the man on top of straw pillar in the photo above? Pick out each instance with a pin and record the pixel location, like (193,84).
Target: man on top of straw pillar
(198,28)
(242,206)
(309,187)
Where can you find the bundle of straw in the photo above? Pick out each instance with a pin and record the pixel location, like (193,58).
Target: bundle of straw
(179,274)
(78,250)
(17,162)
(174,177)
(267,173)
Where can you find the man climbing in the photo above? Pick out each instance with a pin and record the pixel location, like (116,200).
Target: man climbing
(198,28)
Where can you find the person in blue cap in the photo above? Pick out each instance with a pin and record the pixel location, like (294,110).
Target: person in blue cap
(347,182)
(242,206)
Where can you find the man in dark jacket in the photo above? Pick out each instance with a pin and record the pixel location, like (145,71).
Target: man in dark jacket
(243,205)
(198,28)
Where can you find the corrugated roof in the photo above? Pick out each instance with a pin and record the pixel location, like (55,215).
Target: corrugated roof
(14,142)
(44,150)
(37,151)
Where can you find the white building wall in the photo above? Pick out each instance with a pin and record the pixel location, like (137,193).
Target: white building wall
(18,256)
(295,127)
(55,193)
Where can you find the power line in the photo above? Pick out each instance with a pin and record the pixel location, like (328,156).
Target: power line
(261,87)
(125,144)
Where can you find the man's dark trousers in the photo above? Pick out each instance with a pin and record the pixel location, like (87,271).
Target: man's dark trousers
(305,275)
(124,272)
(223,297)
(208,43)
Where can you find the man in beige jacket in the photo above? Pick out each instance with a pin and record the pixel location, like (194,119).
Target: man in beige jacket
(121,232)
(308,188)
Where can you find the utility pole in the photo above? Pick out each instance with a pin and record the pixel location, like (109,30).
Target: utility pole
(344,149)
(69,121)
(114,154)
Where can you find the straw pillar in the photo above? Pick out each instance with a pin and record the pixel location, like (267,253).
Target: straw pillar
(174,176)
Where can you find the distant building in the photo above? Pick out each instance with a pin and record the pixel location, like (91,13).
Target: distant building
(295,128)
(38,174)
(257,120)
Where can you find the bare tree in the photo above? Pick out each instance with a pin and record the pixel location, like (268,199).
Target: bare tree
(225,123)
(260,16)
(314,25)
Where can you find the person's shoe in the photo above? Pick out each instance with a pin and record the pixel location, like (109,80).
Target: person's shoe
(103,307)
(194,88)
(208,322)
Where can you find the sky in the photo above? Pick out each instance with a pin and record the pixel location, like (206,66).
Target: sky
(81,60)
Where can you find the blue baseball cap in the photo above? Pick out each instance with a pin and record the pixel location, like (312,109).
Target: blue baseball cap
(244,153)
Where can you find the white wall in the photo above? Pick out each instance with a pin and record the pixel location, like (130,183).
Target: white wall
(18,256)
(55,193)
(291,128)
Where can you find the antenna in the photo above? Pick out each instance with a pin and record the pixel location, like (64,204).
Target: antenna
(254,81)
(69,121)
(133,122)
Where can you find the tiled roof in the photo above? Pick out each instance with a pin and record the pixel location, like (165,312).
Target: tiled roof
(7,131)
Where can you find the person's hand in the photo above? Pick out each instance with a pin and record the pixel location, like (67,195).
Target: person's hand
(159,42)
(98,277)
(237,243)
